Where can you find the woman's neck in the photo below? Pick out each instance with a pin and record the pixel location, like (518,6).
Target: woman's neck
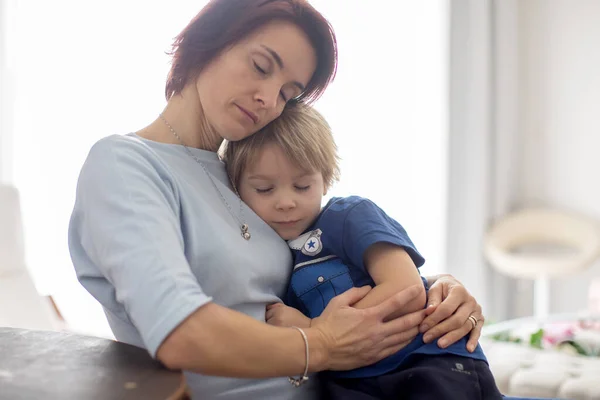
(184,114)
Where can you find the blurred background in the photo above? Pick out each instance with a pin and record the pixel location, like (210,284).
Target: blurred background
(453,115)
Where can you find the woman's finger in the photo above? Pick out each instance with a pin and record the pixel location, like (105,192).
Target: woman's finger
(456,321)
(396,302)
(430,309)
(434,295)
(475,334)
(403,324)
(455,335)
(349,297)
(403,337)
(388,351)
(390,345)
(446,309)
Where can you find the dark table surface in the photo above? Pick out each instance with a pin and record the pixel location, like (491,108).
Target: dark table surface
(59,365)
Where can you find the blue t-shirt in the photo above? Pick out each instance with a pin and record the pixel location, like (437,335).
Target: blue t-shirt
(328,260)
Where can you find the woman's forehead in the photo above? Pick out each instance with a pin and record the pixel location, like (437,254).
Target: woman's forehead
(288,46)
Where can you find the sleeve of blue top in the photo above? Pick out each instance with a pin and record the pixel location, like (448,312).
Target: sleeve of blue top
(367,224)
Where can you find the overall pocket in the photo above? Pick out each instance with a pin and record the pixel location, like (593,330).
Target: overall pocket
(316,284)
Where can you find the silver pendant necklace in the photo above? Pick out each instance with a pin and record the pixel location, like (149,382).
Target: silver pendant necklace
(244,228)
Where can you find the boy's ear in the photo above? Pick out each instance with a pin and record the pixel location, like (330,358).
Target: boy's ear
(324,190)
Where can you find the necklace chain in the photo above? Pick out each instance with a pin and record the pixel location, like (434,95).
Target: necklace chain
(244,228)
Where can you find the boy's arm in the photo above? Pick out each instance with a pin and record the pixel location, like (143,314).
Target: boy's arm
(392,270)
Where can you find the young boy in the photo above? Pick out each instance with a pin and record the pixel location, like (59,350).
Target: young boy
(282,173)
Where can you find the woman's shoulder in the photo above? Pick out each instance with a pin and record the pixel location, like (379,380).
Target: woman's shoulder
(124,151)
(123,155)
(122,144)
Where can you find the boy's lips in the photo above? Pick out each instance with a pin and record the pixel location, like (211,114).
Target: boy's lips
(285,223)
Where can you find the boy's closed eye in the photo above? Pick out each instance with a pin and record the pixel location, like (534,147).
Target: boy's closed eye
(263,190)
(266,190)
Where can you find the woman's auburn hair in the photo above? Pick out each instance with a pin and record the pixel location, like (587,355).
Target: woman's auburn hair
(222,23)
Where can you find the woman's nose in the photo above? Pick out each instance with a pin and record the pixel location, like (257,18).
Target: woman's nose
(267,96)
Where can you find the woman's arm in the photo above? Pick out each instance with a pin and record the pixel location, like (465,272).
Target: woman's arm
(218,341)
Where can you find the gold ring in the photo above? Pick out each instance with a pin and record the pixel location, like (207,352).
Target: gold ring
(473,321)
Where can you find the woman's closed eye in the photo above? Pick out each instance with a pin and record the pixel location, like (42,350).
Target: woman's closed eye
(261,70)
(288,93)
(264,71)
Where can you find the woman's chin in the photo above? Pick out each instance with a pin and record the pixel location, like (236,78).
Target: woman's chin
(233,136)
(236,131)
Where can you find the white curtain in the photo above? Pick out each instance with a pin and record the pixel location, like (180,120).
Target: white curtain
(484,112)
(87,70)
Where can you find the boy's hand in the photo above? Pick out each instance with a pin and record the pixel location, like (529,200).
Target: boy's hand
(279,314)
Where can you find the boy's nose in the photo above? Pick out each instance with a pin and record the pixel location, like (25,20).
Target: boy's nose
(286,203)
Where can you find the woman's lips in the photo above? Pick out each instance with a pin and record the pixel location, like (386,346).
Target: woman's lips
(250,114)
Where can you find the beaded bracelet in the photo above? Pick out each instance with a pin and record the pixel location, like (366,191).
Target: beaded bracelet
(296,382)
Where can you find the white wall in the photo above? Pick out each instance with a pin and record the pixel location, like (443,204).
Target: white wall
(7,89)
(2,87)
(560,118)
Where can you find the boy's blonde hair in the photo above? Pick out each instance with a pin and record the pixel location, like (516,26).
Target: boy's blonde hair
(301,133)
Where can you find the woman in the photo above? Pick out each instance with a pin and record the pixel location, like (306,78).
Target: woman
(181,266)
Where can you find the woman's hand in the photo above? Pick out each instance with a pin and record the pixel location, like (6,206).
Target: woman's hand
(449,307)
(354,338)
(279,314)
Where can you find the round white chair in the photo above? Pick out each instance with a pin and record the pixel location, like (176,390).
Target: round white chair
(542,244)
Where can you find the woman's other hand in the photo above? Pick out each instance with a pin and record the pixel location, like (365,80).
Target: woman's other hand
(449,307)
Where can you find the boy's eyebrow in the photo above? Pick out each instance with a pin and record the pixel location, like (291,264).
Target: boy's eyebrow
(303,174)
(260,177)
(268,178)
